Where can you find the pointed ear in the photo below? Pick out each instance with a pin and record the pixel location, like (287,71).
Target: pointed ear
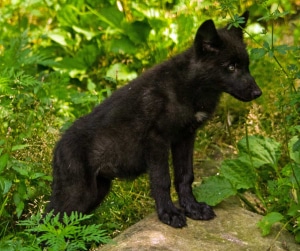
(207,39)
(238,31)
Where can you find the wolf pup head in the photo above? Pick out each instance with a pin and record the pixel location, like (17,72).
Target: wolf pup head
(223,58)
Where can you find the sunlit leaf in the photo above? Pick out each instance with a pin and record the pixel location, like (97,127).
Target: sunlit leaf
(120,72)
(88,34)
(58,37)
(268,221)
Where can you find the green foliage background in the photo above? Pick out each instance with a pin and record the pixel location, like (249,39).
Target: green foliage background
(60,58)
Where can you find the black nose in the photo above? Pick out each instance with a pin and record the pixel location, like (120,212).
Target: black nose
(256,93)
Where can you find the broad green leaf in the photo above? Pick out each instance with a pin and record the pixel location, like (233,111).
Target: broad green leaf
(214,190)
(120,72)
(73,63)
(294,148)
(3,161)
(266,223)
(294,210)
(137,31)
(111,16)
(69,15)
(88,54)
(239,172)
(5,185)
(58,37)
(123,45)
(21,171)
(263,151)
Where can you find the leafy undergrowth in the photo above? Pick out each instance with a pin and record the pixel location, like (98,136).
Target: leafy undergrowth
(258,169)
(57,64)
(51,233)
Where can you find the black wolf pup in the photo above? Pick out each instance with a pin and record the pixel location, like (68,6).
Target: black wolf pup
(134,130)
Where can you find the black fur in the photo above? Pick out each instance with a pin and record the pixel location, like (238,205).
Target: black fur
(133,131)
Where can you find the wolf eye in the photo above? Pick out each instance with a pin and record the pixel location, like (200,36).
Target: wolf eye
(231,67)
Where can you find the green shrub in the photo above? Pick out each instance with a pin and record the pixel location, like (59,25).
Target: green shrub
(60,58)
(267,167)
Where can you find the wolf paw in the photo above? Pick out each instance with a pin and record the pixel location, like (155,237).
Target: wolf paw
(174,218)
(199,211)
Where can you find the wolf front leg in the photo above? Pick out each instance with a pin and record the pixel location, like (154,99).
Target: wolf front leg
(182,154)
(157,161)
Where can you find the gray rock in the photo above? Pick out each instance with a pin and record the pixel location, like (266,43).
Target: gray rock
(233,229)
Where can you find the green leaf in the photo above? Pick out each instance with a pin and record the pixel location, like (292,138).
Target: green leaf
(22,190)
(137,31)
(214,190)
(88,54)
(20,207)
(263,151)
(123,45)
(266,45)
(112,17)
(266,223)
(5,185)
(36,176)
(68,15)
(294,210)
(3,161)
(21,171)
(19,147)
(239,172)
(90,85)
(237,20)
(282,49)
(294,149)
(19,198)
(58,37)
(120,72)
(258,53)
(88,34)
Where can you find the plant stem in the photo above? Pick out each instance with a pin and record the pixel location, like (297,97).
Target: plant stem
(248,203)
